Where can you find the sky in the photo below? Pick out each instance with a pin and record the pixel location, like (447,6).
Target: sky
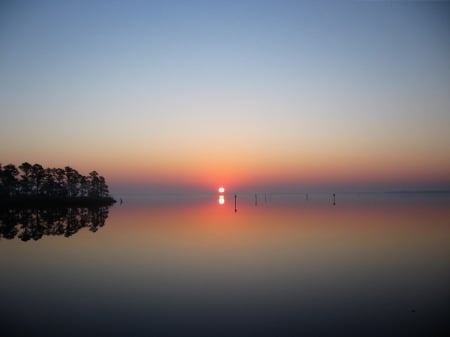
(179,95)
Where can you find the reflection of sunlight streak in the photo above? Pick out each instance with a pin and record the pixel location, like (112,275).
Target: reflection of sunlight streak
(221,199)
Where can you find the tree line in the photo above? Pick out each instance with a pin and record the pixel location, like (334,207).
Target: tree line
(35,181)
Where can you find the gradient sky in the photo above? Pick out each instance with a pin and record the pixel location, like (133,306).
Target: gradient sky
(286,94)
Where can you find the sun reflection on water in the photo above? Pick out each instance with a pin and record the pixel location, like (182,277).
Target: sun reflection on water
(221,199)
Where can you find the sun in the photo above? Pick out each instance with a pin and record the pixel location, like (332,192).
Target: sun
(221,189)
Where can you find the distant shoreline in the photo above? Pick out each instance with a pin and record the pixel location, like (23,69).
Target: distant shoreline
(40,201)
(419,192)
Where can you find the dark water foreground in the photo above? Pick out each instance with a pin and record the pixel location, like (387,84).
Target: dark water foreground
(176,266)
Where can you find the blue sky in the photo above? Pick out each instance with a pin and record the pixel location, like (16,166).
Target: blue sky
(228,86)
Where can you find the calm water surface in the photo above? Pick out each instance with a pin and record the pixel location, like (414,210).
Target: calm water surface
(372,265)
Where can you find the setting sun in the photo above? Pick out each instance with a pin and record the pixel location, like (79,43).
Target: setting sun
(221,189)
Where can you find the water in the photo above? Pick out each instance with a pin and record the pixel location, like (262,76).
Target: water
(282,265)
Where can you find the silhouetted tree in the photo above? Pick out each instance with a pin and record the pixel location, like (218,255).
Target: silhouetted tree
(49,186)
(73,181)
(10,183)
(94,184)
(60,176)
(38,175)
(26,183)
(2,186)
(84,186)
(103,189)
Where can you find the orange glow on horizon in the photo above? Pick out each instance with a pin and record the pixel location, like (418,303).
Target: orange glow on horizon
(202,169)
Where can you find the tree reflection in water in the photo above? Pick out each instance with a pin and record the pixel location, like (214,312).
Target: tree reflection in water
(27,224)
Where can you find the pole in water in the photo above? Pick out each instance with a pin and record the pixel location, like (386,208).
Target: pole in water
(235,197)
(334,199)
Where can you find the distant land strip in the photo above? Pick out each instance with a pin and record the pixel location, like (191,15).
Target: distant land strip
(419,192)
